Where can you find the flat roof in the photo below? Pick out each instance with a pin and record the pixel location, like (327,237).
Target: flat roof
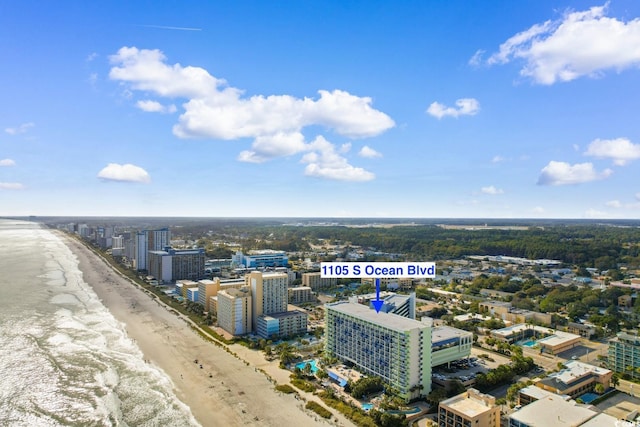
(387,320)
(467,404)
(443,333)
(538,393)
(602,420)
(553,411)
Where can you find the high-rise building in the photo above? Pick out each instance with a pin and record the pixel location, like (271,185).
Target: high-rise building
(624,353)
(150,240)
(234,311)
(269,293)
(394,348)
(469,409)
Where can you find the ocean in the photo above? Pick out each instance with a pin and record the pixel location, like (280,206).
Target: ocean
(64,359)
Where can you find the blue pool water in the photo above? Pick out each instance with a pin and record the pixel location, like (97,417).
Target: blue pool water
(367,406)
(529,343)
(314,366)
(589,397)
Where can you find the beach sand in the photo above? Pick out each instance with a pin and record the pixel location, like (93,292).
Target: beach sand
(235,394)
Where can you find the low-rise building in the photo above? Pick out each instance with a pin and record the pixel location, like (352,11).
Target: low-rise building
(284,324)
(316,282)
(449,344)
(549,340)
(576,379)
(469,409)
(549,411)
(300,295)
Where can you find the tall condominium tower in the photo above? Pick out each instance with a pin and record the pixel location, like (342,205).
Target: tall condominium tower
(392,347)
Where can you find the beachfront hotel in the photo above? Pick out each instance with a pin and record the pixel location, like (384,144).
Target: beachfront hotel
(234,311)
(394,348)
(316,282)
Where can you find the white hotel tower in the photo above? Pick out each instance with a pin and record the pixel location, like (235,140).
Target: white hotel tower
(393,347)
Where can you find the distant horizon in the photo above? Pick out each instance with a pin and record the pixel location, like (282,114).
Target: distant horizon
(405,220)
(502,109)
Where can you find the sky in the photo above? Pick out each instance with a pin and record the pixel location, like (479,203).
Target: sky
(416,109)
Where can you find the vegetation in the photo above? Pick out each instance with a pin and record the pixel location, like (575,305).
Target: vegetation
(285,388)
(365,386)
(303,385)
(318,409)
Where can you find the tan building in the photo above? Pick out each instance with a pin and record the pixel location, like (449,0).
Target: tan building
(469,409)
(234,311)
(506,312)
(315,282)
(300,294)
(403,283)
(576,379)
(183,285)
(269,293)
(207,289)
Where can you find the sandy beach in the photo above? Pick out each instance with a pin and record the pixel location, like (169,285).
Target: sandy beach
(225,391)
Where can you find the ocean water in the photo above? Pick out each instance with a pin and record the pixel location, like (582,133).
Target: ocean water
(64,359)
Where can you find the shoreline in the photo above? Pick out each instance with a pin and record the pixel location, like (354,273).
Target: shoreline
(225,391)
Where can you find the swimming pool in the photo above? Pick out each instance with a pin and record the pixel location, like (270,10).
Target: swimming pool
(312,362)
(589,397)
(528,343)
(367,406)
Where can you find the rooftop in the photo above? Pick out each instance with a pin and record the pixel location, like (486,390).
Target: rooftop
(553,411)
(471,403)
(443,333)
(387,320)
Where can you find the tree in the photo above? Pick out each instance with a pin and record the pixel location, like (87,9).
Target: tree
(599,388)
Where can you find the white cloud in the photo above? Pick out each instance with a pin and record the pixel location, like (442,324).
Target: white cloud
(595,214)
(491,190)
(476,59)
(620,150)
(369,152)
(582,43)
(155,107)
(11,186)
(345,148)
(124,173)
(562,173)
(268,147)
(497,159)
(23,128)
(7,162)
(465,107)
(218,111)
(324,162)
(617,204)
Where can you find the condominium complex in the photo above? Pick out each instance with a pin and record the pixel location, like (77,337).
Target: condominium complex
(402,305)
(316,282)
(395,348)
(300,294)
(469,409)
(624,353)
(170,264)
(149,240)
(269,291)
(234,311)
(268,316)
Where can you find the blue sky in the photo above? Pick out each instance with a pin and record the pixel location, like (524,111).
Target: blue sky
(523,109)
